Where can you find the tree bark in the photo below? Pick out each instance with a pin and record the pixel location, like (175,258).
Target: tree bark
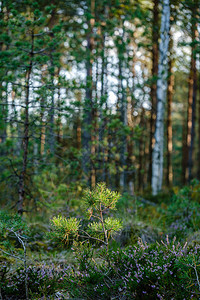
(170,90)
(141,152)
(52,112)
(123,111)
(88,105)
(194,90)
(155,37)
(198,154)
(157,158)
(192,86)
(25,143)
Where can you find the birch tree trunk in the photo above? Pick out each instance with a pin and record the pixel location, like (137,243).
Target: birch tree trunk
(157,158)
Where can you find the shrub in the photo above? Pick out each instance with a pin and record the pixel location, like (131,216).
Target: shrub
(42,281)
(160,271)
(182,215)
(97,203)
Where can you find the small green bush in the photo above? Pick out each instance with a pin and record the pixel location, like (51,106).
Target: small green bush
(97,203)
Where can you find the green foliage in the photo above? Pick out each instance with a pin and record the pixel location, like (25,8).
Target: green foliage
(110,225)
(100,196)
(64,228)
(13,233)
(160,271)
(182,215)
(96,202)
(43,281)
(10,221)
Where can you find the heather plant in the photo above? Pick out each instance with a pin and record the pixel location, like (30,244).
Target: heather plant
(166,270)
(43,281)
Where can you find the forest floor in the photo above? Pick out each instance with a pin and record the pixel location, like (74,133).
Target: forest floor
(154,256)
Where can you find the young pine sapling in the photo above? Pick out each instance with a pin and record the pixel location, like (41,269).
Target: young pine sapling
(101,229)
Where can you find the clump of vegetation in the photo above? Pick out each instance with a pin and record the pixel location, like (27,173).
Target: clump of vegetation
(167,270)
(42,281)
(182,214)
(139,270)
(97,203)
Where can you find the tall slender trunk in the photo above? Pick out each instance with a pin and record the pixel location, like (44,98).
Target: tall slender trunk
(141,152)
(191,147)
(192,86)
(157,158)
(130,123)
(123,112)
(78,122)
(52,113)
(3,113)
(101,109)
(130,157)
(42,117)
(59,121)
(25,143)
(170,88)
(154,72)
(106,135)
(198,159)
(93,108)
(88,105)
(189,125)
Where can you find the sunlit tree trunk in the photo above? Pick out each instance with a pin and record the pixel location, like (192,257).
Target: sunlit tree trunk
(157,158)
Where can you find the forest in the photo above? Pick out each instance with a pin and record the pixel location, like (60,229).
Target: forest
(100,149)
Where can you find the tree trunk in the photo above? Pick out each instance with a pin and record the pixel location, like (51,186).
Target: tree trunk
(52,113)
(157,158)
(169,115)
(123,112)
(155,37)
(59,117)
(88,105)
(194,90)
(25,142)
(198,159)
(141,152)
(130,157)
(42,117)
